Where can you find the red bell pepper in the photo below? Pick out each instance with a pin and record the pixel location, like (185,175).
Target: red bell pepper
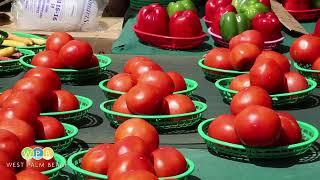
(215,27)
(185,24)
(316,31)
(268,24)
(266,3)
(296,4)
(153,19)
(213,5)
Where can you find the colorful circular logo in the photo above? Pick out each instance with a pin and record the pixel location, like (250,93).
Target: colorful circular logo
(37,153)
(48,153)
(27,153)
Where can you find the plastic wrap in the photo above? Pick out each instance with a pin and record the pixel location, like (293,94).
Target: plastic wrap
(58,15)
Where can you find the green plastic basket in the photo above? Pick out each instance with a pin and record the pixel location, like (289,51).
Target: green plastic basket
(112,94)
(72,75)
(213,74)
(309,133)
(60,144)
(278,99)
(74,162)
(54,174)
(11,67)
(161,122)
(73,116)
(306,71)
(35,48)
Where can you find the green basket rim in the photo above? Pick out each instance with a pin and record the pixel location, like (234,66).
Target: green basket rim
(312,86)
(298,67)
(21,34)
(99,56)
(62,164)
(105,110)
(238,146)
(26,52)
(80,99)
(200,63)
(188,81)
(189,171)
(74,129)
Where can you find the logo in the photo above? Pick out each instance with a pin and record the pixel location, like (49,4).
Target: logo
(37,153)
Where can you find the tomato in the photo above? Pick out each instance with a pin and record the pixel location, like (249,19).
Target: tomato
(76,54)
(121,82)
(222,128)
(305,49)
(22,99)
(48,59)
(144,99)
(49,128)
(30,174)
(158,79)
(94,62)
(98,159)
(120,105)
(136,175)
(140,128)
(7,174)
(130,144)
(45,74)
(315,66)
(280,59)
(251,96)
(10,144)
(240,82)
(244,55)
(250,36)
(5,160)
(57,40)
(267,74)
(290,129)
(168,161)
(5,95)
(40,165)
(22,112)
(142,67)
(129,162)
(21,129)
(218,58)
(177,104)
(295,82)
(132,63)
(178,81)
(66,101)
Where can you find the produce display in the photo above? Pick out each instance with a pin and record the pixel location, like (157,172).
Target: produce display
(18,40)
(304,10)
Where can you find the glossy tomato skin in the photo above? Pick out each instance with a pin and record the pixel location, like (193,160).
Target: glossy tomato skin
(177,104)
(144,99)
(30,174)
(48,128)
(10,144)
(280,59)
(5,94)
(290,129)
(144,67)
(222,128)
(295,82)
(57,40)
(98,159)
(158,79)
(315,66)
(253,95)
(66,101)
(131,64)
(250,36)
(185,24)
(219,58)
(140,128)
(76,54)
(94,62)
(22,112)
(178,81)
(40,165)
(48,59)
(130,144)
(305,49)
(136,175)
(168,161)
(120,105)
(6,173)
(5,159)
(122,82)
(22,99)
(240,82)
(45,74)
(243,56)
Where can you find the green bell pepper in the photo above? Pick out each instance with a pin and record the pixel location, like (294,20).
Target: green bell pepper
(315,4)
(250,7)
(181,5)
(232,24)
(3,36)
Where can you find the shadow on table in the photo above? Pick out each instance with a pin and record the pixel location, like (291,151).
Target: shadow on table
(106,75)
(283,49)
(191,177)
(91,120)
(196,97)
(66,176)
(311,101)
(76,146)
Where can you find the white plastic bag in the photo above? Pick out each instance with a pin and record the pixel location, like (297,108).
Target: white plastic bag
(58,15)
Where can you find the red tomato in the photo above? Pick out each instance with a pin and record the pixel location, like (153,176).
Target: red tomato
(5,95)
(7,174)
(120,105)
(177,104)
(158,79)
(40,165)
(76,54)
(132,63)
(305,49)
(178,81)
(244,55)
(240,82)
(66,101)
(10,144)
(57,40)
(185,24)
(290,129)
(168,161)
(45,74)
(94,62)
(315,66)
(222,128)
(219,58)
(250,36)
(130,144)
(144,99)
(49,128)
(21,129)
(30,174)
(142,67)
(258,126)
(5,160)
(280,59)
(22,112)
(48,59)
(136,175)
(251,96)
(121,82)
(129,162)
(267,74)
(98,159)
(140,128)
(295,82)
(24,100)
